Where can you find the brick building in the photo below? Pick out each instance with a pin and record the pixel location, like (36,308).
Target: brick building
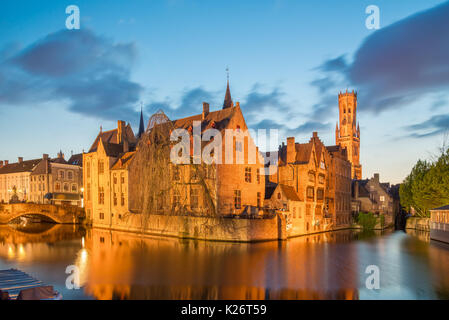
(348,134)
(57,181)
(370,195)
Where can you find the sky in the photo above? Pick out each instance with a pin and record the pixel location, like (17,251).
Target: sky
(287,60)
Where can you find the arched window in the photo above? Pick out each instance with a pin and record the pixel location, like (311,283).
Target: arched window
(74,188)
(70,175)
(66,187)
(57,186)
(61,174)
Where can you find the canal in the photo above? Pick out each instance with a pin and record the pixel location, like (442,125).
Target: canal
(118,265)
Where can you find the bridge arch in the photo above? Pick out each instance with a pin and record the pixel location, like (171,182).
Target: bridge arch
(58,214)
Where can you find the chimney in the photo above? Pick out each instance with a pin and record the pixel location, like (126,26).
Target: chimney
(1,163)
(20,159)
(291,152)
(237,104)
(45,156)
(120,131)
(125,145)
(6,162)
(376,177)
(205,110)
(315,134)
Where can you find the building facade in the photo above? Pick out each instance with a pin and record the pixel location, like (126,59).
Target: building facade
(311,186)
(106,150)
(15,180)
(347,131)
(370,195)
(57,181)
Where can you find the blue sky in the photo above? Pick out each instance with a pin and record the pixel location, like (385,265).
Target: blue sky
(288,60)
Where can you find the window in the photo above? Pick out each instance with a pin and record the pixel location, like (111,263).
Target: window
(311,176)
(74,188)
(259,199)
(176,198)
(176,173)
(101,218)
(66,187)
(122,178)
(247,174)
(100,167)
(310,192)
(57,186)
(320,194)
(322,165)
(279,196)
(61,174)
(115,178)
(122,199)
(70,175)
(194,195)
(258,176)
(382,198)
(115,199)
(100,195)
(193,174)
(294,212)
(321,178)
(88,192)
(237,199)
(299,212)
(88,169)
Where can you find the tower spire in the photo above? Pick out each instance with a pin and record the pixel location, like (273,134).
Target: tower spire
(141,125)
(227,100)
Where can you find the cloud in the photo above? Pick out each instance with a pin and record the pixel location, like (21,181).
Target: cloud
(399,63)
(88,72)
(437,124)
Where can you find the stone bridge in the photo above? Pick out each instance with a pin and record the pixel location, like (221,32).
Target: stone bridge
(58,214)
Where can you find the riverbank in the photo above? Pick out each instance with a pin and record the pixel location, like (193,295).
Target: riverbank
(419,224)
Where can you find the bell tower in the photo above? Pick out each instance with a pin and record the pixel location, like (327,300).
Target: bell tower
(348,134)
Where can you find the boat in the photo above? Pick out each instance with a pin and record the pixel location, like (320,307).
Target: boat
(18,285)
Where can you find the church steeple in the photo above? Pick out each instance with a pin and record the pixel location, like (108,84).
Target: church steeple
(227,100)
(141,124)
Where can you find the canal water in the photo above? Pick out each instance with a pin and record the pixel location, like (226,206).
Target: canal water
(119,265)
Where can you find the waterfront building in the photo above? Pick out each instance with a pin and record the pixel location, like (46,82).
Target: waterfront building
(370,195)
(106,150)
(347,135)
(311,186)
(15,179)
(439,224)
(57,181)
(231,185)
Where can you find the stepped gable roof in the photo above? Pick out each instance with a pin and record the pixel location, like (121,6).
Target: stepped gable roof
(446,207)
(76,159)
(24,166)
(111,136)
(124,161)
(218,119)
(289,192)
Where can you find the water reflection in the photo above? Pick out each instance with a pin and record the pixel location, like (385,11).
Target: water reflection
(119,265)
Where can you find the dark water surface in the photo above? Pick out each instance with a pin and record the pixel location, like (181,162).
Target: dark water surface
(118,265)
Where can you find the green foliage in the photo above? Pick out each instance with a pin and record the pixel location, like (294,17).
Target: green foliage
(427,186)
(367,220)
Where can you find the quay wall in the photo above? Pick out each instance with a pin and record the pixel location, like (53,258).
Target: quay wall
(202,228)
(420,224)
